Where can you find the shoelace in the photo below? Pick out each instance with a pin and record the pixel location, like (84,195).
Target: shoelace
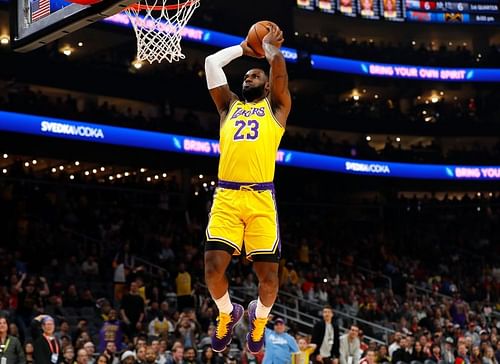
(259,327)
(222,323)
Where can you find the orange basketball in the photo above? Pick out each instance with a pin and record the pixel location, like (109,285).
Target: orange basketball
(256,33)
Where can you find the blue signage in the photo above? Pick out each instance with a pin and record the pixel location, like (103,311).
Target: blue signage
(96,133)
(405,71)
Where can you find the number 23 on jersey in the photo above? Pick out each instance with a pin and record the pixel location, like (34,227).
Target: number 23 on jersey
(246,130)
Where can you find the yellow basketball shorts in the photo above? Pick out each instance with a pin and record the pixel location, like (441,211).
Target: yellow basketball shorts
(245,218)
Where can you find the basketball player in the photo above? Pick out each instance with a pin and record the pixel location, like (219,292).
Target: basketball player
(243,218)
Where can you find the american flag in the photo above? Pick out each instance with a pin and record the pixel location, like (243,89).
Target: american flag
(39,9)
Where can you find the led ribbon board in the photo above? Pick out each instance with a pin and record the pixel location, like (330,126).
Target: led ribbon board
(96,133)
(364,68)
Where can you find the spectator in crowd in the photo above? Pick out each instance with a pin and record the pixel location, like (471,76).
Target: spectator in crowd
(82,357)
(489,356)
(151,355)
(111,330)
(395,343)
(11,350)
(64,330)
(28,351)
(102,359)
(110,351)
(436,356)
(159,326)
(369,358)
(128,357)
(462,355)
(350,351)
(90,268)
(187,328)
(47,349)
(279,345)
(190,356)
(326,337)
(162,351)
(448,351)
(475,356)
(184,290)
(208,356)
(418,353)
(69,355)
(177,355)
(140,354)
(403,354)
(90,348)
(132,310)
(383,355)
(305,351)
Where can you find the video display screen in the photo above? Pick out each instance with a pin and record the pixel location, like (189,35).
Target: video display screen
(463,11)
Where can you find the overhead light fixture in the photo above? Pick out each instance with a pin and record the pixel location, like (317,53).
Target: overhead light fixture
(398,139)
(87,173)
(4,39)
(34,161)
(71,177)
(5,156)
(200,176)
(434,99)
(77,163)
(80,44)
(368,138)
(355,97)
(26,164)
(67,51)
(137,64)
(54,170)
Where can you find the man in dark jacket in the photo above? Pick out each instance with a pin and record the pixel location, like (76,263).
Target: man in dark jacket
(47,349)
(326,337)
(11,351)
(402,355)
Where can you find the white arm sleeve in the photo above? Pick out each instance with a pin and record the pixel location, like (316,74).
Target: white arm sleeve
(215,62)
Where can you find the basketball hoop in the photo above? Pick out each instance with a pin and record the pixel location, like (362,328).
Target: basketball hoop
(158,25)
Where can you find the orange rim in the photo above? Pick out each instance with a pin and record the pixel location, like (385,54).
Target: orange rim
(139,6)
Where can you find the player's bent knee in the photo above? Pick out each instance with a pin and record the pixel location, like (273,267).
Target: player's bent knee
(215,265)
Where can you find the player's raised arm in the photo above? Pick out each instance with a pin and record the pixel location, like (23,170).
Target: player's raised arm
(216,79)
(280,98)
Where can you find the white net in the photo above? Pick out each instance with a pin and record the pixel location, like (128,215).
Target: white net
(158,25)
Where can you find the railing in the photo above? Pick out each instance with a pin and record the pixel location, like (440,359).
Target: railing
(293,313)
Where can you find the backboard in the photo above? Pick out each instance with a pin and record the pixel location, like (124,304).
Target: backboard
(35,23)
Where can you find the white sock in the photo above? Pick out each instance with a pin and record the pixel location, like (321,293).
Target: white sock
(224,304)
(262,311)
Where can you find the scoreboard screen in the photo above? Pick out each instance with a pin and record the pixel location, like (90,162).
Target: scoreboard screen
(446,11)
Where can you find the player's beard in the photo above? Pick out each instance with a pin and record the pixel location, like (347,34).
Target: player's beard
(252,93)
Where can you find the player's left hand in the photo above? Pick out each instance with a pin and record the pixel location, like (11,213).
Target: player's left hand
(247,51)
(274,37)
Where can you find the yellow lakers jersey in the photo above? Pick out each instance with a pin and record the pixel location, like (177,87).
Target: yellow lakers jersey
(249,140)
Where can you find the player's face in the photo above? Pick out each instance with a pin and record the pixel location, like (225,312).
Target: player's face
(255,85)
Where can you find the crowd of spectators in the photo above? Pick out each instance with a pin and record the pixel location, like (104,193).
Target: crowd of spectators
(21,99)
(62,247)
